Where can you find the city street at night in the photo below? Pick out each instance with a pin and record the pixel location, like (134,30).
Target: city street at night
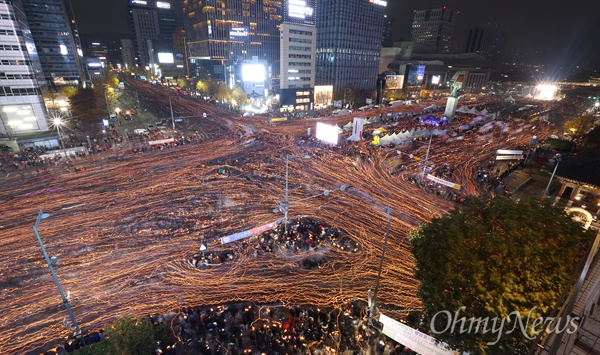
(124,225)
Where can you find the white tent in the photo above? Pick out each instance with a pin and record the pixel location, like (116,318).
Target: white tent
(348,126)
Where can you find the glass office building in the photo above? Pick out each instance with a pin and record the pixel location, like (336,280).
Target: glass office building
(152,25)
(22,107)
(52,33)
(222,34)
(349,34)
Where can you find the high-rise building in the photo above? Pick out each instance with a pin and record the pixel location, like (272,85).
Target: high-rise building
(433,30)
(127,53)
(488,41)
(297,54)
(349,42)
(152,25)
(387,39)
(22,107)
(58,49)
(221,37)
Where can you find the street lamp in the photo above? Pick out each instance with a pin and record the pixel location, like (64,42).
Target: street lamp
(172,118)
(427,156)
(65,300)
(557,158)
(58,123)
(287,192)
(388,211)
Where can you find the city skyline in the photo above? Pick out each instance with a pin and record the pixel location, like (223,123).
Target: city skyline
(538,30)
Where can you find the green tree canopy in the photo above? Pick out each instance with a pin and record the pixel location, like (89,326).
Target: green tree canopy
(68,91)
(126,336)
(221,91)
(494,257)
(580,125)
(591,143)
(239,96)
(181,82)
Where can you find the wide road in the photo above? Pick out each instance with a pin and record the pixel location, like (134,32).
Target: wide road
(124,229)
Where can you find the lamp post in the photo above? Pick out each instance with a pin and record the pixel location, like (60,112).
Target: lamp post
(172,118)
(65,301)
(388,210)
(287,192)
(58,124)
(557,158)
(427,156)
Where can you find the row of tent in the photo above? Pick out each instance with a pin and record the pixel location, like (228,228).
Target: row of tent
(399,138)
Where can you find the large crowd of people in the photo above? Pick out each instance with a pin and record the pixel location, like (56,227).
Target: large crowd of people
(302,235)
(246,328)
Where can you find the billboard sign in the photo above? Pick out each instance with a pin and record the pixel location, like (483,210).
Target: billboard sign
(254,72)
(394,82)
(327,133)
(166,58)
(301,12)
(323,94)
(237,32)
(378,2)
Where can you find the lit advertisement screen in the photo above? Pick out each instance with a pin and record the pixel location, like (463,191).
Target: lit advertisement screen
(301,12)
(254,72)
(327,133)
(238,32)
(166,58)
(323,94)
(435,79)
(394,82)
(415,75)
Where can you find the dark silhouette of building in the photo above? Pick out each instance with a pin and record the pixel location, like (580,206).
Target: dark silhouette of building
(433,30)
(387,39)
(488,41)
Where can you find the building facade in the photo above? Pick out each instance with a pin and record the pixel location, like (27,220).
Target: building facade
(486,40)
(152,25)
(387,40)
(223,36)
(349,42)
(22,107)
(127,53)
(56,46)
(297,55)
(433,30)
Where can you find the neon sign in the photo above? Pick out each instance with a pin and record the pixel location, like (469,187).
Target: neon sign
(298,9)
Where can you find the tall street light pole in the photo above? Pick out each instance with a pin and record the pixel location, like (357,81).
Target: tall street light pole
(41,216)
(287,192)
(558,158)
(172,118)
(427,156)
(388,210)
(58,124)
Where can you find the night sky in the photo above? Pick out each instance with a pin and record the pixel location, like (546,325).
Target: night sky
(555,32)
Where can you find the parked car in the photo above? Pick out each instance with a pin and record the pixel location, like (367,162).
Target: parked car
(140,131)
